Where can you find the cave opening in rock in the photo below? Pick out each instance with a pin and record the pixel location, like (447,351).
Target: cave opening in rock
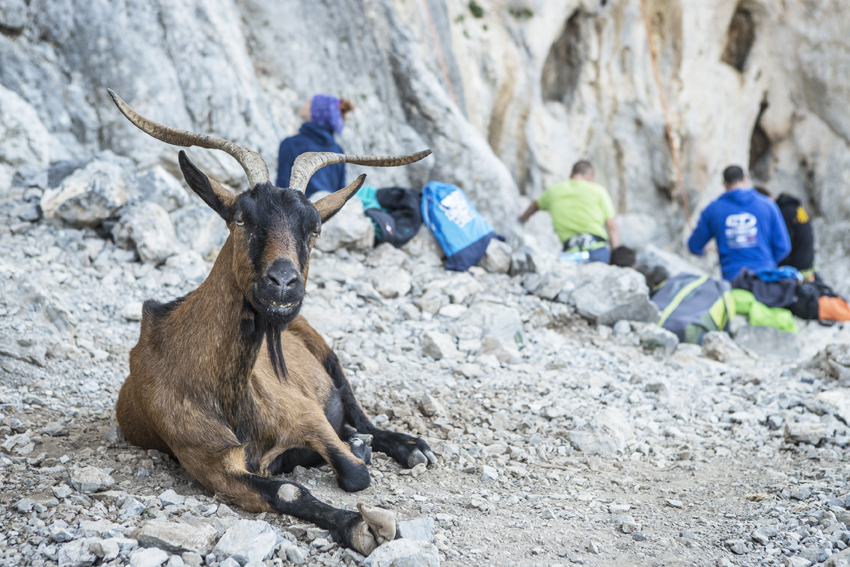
(761,150)
(739,39)
(562,68)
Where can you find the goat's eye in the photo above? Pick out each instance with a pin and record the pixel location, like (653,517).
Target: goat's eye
(239,221)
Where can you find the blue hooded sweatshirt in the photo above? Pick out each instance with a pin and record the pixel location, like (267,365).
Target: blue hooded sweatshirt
(312,137)
(749,230)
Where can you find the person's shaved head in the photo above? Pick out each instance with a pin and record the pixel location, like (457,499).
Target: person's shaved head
(582,169)
(733,174)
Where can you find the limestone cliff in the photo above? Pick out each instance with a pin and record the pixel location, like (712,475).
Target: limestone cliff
(508,93)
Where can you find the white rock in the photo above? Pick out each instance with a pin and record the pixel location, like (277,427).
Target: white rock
(150,557)
(609,433)
(92,193)
(349,228)
(77,554)
(497,258)
(406,552)
(177,537)
(91,479)
(835,402)
(132,311)
(247,540)
(146,227)
(438,345)
(392,283)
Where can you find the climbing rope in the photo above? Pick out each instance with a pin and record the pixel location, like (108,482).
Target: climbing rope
(673,150)
(440,52)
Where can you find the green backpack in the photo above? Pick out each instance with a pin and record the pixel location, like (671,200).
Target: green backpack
(693,305)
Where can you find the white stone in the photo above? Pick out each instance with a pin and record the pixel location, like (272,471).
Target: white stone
(247,540)
(407,552)
(150,557)
(146,227)
(438,345)
(91,479)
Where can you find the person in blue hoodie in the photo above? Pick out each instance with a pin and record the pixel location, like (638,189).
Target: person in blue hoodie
(748,227)
(324,115)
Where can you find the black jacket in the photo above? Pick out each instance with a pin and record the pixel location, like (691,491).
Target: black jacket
(802,254)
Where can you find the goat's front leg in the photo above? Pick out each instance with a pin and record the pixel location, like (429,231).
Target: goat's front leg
(350,470)
(223,471)
(363,530)
(406,450)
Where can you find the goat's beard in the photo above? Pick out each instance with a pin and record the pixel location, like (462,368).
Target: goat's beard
(271,332)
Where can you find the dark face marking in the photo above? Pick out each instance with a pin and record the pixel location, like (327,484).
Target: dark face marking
(277,229)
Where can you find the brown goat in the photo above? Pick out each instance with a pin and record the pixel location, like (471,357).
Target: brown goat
(233,382)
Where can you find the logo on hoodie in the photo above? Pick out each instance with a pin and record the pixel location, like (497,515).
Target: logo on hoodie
(741,231)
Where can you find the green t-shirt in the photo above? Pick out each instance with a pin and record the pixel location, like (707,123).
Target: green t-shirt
(577,206)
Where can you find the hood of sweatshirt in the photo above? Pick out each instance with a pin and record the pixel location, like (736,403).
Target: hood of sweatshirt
(319,133)
(741,197)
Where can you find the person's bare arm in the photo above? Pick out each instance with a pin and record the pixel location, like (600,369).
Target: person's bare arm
(613,232)
(526,214)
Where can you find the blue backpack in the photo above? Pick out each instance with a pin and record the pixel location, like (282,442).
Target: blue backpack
(462,232)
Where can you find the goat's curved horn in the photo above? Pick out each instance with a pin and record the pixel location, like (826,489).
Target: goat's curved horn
(254,166)
(309,163)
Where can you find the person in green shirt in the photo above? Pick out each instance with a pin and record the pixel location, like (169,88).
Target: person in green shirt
(582,214)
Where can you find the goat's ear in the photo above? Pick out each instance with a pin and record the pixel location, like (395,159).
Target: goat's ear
(328,206)
(211,191)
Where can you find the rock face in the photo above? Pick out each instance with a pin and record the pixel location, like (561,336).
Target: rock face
(507,98)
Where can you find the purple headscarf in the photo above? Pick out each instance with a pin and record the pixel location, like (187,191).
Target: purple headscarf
(324,110)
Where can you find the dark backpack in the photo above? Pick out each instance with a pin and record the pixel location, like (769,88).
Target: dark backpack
(805,305)
(404,218)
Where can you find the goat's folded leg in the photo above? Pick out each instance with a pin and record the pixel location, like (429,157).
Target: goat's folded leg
(351,471)
(407,450)
(362,531)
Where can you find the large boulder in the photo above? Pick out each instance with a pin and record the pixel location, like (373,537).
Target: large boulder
(606,294)
(146,227)
(93,193)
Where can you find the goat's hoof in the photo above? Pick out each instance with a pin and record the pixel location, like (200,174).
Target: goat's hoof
(377,528)
(360,449)
(417,457)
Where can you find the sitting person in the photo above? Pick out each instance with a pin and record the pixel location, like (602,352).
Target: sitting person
(748,227)
(582,214)
(324,115)
(802,255)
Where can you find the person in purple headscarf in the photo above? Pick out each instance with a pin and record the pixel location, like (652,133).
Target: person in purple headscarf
(324,115)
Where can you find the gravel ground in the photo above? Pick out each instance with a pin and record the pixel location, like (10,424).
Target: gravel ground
(560,442)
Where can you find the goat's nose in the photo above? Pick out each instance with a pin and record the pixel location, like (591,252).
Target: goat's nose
(282,275)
